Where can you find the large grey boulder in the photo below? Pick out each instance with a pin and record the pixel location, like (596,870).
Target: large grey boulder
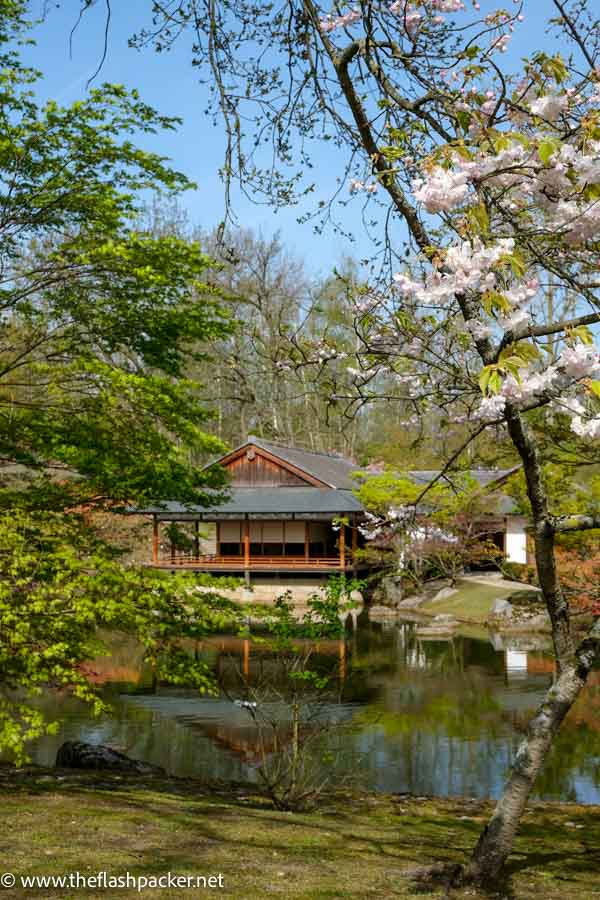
(390,591)
(79,755)
(502,609)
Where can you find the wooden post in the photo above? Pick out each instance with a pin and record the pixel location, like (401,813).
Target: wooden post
(196,539)
(342,546)
(354,544)
(218,538)
(155,541)
(246,541)
(306,540)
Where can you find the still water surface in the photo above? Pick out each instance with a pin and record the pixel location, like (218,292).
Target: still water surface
(440,717)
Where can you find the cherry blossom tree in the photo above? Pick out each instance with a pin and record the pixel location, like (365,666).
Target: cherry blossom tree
(488,179)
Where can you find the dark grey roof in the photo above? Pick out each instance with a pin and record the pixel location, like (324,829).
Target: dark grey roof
(483,477)
(303,501)
(332,470)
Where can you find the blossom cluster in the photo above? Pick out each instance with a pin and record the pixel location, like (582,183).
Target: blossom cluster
(331,23)
(406,9)
(575,365)
(356,186)
(441,189)
(468,265)
(538,173)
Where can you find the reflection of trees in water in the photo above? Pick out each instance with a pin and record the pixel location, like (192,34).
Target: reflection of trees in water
(572,756)
(429,717)
(576,748)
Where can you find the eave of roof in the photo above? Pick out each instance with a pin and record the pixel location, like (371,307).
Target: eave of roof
(302,501)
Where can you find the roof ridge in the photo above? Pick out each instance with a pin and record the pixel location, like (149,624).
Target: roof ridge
(254,439)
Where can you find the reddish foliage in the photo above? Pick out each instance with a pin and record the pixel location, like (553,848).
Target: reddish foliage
(579,572)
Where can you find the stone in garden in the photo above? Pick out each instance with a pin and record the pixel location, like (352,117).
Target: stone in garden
(79,755)
(502,608)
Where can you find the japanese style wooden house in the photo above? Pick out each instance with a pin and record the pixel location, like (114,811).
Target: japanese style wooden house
(294,511)
(288,510)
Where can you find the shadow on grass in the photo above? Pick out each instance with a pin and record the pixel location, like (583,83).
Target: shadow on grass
(188,822)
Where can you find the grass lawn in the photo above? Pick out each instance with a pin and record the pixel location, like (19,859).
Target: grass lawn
(353,847)
(473,601)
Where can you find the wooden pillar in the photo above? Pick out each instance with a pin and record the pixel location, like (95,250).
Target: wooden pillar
(354,544)
(196,539)
(155,541)
(217,538)
(246,542)
(306,540)
(342,546)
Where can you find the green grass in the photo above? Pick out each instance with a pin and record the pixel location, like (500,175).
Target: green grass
(352,848)
(472,601)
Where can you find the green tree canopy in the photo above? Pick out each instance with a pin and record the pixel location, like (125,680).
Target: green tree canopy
(98,317)
(98,320)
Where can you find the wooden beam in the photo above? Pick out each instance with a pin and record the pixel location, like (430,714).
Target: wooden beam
(342,546)
(155,540)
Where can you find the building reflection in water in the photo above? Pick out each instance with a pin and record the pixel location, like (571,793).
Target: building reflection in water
(429,717)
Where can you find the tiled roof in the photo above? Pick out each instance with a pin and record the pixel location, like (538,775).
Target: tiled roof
(483,477)
(267,501)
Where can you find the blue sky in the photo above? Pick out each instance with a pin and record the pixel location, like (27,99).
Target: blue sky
(169,82)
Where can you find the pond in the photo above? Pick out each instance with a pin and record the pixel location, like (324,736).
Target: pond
(429,717)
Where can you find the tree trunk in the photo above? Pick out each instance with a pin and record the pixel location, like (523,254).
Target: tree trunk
(496,840)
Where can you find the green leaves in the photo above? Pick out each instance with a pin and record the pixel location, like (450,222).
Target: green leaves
(510,361)
(479,219)
(101,318)
(547,148)
(555,67)
(59,584)
(495,301)
(490,380)
(581,333)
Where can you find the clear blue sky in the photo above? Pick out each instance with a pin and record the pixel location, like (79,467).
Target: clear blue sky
(168,82)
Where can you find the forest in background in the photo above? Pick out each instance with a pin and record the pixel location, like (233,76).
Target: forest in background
(264,378)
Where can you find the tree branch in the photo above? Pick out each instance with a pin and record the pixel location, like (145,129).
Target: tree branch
(564,524)
(543,330)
